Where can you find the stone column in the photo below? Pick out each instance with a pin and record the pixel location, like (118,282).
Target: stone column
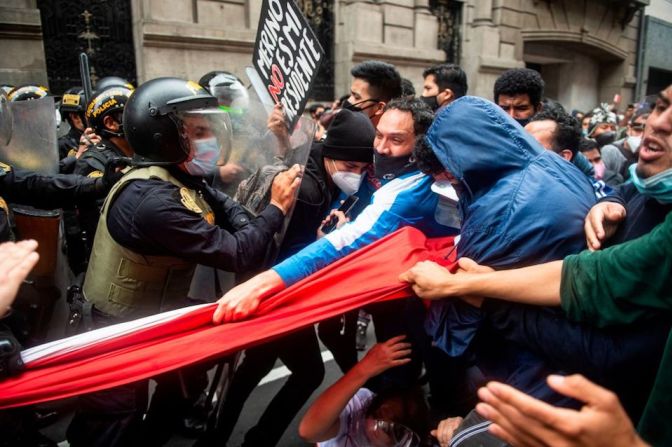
(23,60)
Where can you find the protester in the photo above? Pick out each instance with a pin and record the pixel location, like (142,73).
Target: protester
(556,131)
(602,126)
(336,166)
(347,413)
(621,154)
(519,92)
(374,84)
(591,150)
(443,83)
(17,259)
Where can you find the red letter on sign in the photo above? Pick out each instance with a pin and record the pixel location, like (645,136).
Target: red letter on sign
(278,83)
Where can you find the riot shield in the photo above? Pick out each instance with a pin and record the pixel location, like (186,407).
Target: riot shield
(33,143)
(6,120)
(256,155)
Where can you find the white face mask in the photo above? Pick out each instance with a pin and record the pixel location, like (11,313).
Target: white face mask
(205,158)
(348,182)
(633,143)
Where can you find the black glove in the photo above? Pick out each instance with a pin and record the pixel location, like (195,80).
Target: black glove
(113,172)
(10,354)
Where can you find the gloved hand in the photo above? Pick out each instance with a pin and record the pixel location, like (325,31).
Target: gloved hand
(113,172)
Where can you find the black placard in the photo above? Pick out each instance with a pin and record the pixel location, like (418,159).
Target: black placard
(286,56)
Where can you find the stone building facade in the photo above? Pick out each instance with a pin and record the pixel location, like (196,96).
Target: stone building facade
(586,50)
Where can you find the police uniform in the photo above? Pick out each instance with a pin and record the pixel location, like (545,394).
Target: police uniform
(43,191)
(157,223)
(69,143)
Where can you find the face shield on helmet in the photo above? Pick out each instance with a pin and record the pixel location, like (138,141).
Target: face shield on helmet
(207,134)
(232,98)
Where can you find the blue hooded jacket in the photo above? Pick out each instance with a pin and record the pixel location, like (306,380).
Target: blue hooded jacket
(520,203)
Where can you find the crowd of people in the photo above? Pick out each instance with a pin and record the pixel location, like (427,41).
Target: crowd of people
(552,327)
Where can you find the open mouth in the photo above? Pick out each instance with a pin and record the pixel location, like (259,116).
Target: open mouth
(651,149)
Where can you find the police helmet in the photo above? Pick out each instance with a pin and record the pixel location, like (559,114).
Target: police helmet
(226,87)
(112,81)
(72,100)
(28,92)
(108,102)
(154,118)
(6,88)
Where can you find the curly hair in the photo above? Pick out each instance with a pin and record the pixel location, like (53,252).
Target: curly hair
(449,76)
(519,81)
(383,78)
(421,113)
(567,134)
(425,158)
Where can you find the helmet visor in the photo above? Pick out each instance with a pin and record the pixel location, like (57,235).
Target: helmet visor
(207,135)
(231,97)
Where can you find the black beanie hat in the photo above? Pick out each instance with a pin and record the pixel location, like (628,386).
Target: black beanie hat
(349,137)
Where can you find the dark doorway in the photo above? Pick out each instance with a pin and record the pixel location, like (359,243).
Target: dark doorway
(101,28)
(658,80)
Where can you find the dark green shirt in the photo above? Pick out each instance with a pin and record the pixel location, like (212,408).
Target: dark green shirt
(623,284)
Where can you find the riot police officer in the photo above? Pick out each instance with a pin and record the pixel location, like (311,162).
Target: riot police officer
(157,223)
(104,114)
(72,110)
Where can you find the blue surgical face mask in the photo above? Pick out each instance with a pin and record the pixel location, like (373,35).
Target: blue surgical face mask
(657,186)
(206,156)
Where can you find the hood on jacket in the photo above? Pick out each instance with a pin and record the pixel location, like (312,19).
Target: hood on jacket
(478,143)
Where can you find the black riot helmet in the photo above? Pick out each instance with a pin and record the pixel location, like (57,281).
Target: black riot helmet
(230,92)
(159,119)
(110,102)
(112,81)
(28,92)
(72,100)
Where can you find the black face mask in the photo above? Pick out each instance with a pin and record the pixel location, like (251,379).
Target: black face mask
(388,168)
(356,107)
(523,121)
(431,101)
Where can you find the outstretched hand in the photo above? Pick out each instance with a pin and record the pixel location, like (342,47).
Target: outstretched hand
(602,222)
(522,420)
(16,261)
(244,299)
(386,355)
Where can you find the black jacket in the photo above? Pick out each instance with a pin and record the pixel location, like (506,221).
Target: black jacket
(312,205)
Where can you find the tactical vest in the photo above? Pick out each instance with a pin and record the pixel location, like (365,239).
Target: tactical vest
(129,285)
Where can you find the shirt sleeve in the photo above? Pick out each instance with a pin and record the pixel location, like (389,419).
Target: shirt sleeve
(389,211)
(160,225)
(621,284)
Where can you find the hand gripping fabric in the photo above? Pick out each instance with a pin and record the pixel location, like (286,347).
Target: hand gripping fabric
(143,348)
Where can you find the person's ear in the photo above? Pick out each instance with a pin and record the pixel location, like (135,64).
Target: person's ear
(566,154)
(448,96)
(380,108)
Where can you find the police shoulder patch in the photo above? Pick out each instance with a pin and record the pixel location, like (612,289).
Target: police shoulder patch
(5,167)
(188,200)
(3,205)
(95,174)
(72,152)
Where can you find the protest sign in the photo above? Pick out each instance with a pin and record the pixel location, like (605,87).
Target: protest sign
(286,56)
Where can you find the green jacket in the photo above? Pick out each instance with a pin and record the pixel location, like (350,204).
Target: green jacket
(623,284)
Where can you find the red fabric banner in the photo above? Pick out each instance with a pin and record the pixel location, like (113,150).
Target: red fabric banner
(366,276)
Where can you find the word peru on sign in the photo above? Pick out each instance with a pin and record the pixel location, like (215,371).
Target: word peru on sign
(287,56)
